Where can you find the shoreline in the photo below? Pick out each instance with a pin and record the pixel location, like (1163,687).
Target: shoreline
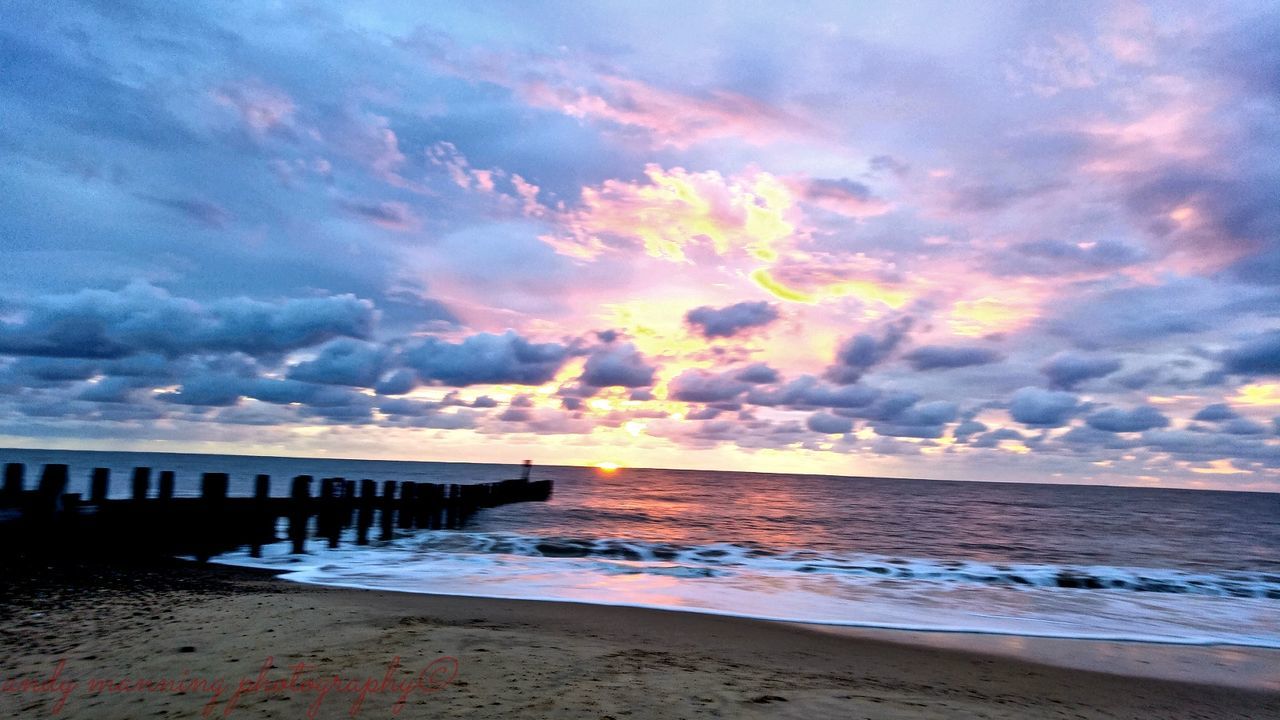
(529,658)
(1224,664)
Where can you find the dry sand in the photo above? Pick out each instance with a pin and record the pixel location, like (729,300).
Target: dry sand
(515,659)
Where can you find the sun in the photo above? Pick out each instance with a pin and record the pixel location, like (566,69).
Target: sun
(607,467)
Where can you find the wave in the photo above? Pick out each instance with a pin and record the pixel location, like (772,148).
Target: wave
(709,560)
(799,585)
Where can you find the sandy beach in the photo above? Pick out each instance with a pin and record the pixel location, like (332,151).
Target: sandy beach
(187,641)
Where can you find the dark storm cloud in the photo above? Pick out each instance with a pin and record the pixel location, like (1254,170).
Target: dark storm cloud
(486,358)
(1037,407)
(617,366)
(143,318)
(941,357)
(731,320)
(1257,356)
(1068,369)
(1143,417)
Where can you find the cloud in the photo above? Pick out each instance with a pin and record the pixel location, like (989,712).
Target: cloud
(1243,426)
(757,374)
(828,424)
(204,212)
(731,320)
(1215,412)
(935,357)
(389,214)
(1037,407)
(1049,258)
(1068,369)
(676,212)
(617,366)
(486,358)
(143,318)
(968,428)
(1258,356)
(844,196)
(343,362)
(807,392)
(703,387)
(861,352)
(923,420)
(1143,417)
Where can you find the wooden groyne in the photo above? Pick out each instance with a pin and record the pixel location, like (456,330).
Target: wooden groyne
(48,521)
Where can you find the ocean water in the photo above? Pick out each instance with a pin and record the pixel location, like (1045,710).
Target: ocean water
(1169,566)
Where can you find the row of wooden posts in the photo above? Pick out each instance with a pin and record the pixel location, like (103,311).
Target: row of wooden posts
(48,520)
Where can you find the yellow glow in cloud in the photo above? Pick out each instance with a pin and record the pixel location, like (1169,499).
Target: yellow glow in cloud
(861,289)
(1220,467)
(986,315)
(1014,447)
(1261,394)
(677,209)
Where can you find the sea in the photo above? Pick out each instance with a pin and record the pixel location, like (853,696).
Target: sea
(1040,560)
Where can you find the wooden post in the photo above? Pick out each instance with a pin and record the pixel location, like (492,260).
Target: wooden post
(328,524)
(164,493)
(99,482)
(141,483)
(407,491)
(213,520)
(452,500)
(437,506)
(13,476)
(364,517)
(528,466)
(348,502)
(263,527)
(53,483)
(387,509)
(300,512)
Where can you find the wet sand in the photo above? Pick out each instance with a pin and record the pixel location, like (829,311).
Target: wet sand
(141,633)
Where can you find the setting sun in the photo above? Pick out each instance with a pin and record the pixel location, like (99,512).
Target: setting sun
(607,467)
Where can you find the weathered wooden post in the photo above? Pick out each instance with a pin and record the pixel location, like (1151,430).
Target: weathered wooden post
(212,523)
(387,508)
(328,524)
(263,527)
(164,491)
(53,483)
(141,483)
(407,492)
(99,485)
(364,517)
(437,506)
(452,500)
(300,512)
(13,476)
(348,502)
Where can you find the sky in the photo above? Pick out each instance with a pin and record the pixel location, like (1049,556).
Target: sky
(986,241)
